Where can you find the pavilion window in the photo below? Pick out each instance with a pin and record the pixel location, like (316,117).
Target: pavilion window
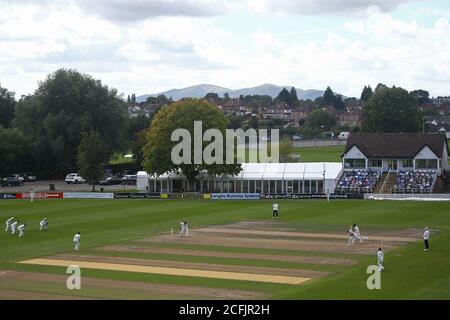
(252,186)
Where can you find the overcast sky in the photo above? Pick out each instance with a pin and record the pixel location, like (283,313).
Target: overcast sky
(147,46)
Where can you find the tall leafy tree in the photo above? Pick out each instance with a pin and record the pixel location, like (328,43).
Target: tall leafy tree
(422,96)
(293,96)
(66,104)
(391,110)
(320,120)
(181,115)
(380,87)
(328,97)
(7,105)
(14,152)
(366,93)
(91,156)
(283,96)
(286,147)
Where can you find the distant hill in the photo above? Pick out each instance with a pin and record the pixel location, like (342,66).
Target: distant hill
(199,91)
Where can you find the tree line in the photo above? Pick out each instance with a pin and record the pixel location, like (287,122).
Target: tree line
(75,121)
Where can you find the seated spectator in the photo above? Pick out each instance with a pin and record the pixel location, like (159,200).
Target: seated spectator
(359,180)
(415,181)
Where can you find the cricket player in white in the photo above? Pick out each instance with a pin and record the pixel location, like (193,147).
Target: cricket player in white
(14,226)
(351,235)
(21,229)
(184,229)
(76,241)
(32,195)
(357,233)
(8,224)
(426,238)
(275,210)
(380,256)
(43,224)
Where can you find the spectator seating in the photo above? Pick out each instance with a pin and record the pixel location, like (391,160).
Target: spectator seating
(415,181)
(358,181)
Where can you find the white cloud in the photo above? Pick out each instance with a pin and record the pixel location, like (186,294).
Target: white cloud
(315,7)
(160,53)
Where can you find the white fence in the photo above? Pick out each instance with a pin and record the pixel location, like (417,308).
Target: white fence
(319,142)
(405,196)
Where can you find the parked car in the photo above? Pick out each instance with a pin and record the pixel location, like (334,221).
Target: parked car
(129,179)
(28,177)
(74,178)
(11,182)
(18,177)
(111,181)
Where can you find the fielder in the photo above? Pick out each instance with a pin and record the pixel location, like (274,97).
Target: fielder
(275,210)
(184,229)
(76,241)
(21,229)
(380,256)
(426,238)
(43,225)
(14,226)
(32,195)
(8,223)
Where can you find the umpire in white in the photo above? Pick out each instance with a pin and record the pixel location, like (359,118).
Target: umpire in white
(426,239)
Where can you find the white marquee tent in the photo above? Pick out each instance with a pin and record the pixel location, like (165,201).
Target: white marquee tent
(310,177)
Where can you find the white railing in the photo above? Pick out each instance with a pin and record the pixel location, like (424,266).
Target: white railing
(385,180)
(409,196)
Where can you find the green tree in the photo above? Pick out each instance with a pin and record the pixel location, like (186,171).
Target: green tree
(7,105)
(235,121)
(14,152)
(293,96)
(66,104)
(380,87)
(285,149)
(181,115)
(253,122)
(328,97)
(391,110)
(283,96)
(422,96)
(213,96)
(320,120)
(91,156)
(366,93)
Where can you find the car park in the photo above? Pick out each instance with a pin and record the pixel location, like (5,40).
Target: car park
(11,182)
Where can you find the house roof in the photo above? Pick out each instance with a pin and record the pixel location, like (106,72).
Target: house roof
(395,145)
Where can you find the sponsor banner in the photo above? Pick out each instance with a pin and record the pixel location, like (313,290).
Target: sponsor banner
(235,196)
(88,195)
(5,196)
(312,196)
(136,195)
(186,195)
(40,195)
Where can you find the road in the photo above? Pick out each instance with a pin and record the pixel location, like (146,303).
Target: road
(61,186)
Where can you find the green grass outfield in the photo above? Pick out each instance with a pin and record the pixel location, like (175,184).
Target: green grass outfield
(311,154)
(410,273)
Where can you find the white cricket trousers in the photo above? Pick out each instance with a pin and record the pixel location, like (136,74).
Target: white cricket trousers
(184,231)
(76,245)
(380,265)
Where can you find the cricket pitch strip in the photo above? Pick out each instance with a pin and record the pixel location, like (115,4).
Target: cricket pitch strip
(170,271)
